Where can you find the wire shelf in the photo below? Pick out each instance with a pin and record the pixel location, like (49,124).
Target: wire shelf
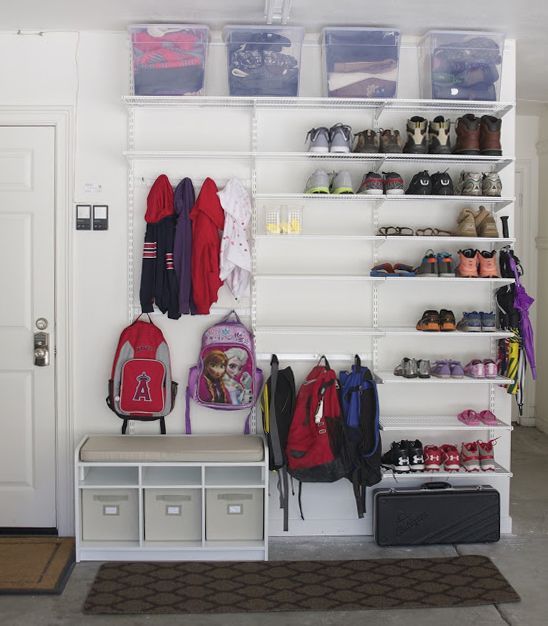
(426,423)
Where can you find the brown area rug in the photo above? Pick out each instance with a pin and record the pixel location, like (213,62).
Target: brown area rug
(32,565)
(241,587)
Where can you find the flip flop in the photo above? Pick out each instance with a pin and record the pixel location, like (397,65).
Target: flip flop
(384,269)
(469,417)
(401,269)
(394,231)
(487,418)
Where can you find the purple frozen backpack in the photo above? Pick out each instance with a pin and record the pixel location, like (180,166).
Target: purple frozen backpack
(226,376)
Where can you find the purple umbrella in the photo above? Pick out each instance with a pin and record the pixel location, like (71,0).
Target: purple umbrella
(523,302)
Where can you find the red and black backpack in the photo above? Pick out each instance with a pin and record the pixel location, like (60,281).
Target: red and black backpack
(140,386)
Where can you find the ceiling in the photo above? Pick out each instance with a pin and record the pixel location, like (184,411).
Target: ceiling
(526,20)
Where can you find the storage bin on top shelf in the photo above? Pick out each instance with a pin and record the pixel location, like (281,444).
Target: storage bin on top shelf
(168,59)
(461,65)
(263,60)
(361,62)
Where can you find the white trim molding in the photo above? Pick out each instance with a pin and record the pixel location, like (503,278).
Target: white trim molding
(62,119)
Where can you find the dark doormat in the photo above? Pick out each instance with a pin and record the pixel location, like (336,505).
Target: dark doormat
(242,587)
(34,565)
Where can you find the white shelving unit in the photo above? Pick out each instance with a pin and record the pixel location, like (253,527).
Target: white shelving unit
(261,142)
(140,476)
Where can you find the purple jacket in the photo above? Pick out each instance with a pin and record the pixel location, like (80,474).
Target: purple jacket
(182,248)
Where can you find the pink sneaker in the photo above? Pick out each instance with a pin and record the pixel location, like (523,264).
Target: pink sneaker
(488,418)
(487,455)
(469,417)
(450,457)
(475,369)
(470,457)
(490,368)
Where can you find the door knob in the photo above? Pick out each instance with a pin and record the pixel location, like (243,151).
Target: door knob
(41,349)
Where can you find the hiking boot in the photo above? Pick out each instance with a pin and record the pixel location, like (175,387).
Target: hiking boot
(466,225)
(439,140)
(441,369)
(485,223)
(372,184)
(474,369)
(340,137)
(432,458)
(429,265)
(468,135)
(367,141)
(488,322)
(446,265)
(429,322)
(490,136)
(491,185)
(488,264)
(417,139)
(468,263)
(424,368)
(415,454)
(470,184)
(469,456)
(318,140)
(470,322)
(450,457)
(487,455)
(393,184)
(442,184)
(407,368)
(420,185)
(396,458)
(318,182)
(341,183)
(391,142)
(447,321)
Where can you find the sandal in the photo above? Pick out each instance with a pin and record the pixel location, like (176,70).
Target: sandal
(469,417)
(394,231)
(384,269)
(487,418)
(432,232)
(401,269)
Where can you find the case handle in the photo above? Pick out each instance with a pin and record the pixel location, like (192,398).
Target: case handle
(440,484)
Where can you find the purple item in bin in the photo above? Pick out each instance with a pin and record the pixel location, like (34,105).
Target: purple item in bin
(361,62)
(168,60)
(226,376)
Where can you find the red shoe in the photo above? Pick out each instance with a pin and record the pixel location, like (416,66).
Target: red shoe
(487,455)
(469,456)
(432,459)
(468,263)
(450,457)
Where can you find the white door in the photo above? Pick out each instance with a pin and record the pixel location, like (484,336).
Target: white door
(27,288)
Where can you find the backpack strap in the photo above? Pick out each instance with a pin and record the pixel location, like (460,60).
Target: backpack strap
(162,421)
(188,426)
(301,500)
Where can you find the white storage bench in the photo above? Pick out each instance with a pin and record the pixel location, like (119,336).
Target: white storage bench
(171,498)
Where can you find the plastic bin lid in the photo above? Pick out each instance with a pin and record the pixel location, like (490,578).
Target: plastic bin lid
(294,31)
(341,31)
(468,34)
(163,29)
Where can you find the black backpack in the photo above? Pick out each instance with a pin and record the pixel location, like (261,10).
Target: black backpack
(360,406)
(509,316)
(278,406)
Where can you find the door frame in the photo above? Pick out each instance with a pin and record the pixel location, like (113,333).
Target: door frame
(61,118)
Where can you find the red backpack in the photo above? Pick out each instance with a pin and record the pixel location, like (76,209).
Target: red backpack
(140,386)
(315,444)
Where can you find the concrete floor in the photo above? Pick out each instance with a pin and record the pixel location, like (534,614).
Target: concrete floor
(522,558)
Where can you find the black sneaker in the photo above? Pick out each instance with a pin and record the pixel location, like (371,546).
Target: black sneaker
(415,454)
(420,185)
(442,184)
(396,458)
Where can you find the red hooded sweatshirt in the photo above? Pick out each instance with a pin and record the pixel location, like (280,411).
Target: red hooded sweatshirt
(208,221)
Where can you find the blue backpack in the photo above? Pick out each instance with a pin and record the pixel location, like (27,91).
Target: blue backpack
(360,407)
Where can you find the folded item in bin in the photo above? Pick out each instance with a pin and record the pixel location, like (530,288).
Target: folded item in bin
(478,49)
(480,74)
(481,91)
(167,82)
(371,67)
(356,86)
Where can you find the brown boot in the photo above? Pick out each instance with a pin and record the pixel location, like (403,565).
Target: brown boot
(468,135)
(466,224)
(490,136)
(485,223)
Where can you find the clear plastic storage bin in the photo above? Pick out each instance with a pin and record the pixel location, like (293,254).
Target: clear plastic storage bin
(461,65)
(168,59)
(263,60)
(361,62)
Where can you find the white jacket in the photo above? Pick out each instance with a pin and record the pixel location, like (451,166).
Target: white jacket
(235,250)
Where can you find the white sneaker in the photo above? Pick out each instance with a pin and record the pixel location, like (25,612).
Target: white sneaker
(341,138)
(341,183)
(318,182)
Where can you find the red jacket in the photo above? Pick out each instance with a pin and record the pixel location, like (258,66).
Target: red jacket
(208,220)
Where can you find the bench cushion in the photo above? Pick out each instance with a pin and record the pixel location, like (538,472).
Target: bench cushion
(169,449)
